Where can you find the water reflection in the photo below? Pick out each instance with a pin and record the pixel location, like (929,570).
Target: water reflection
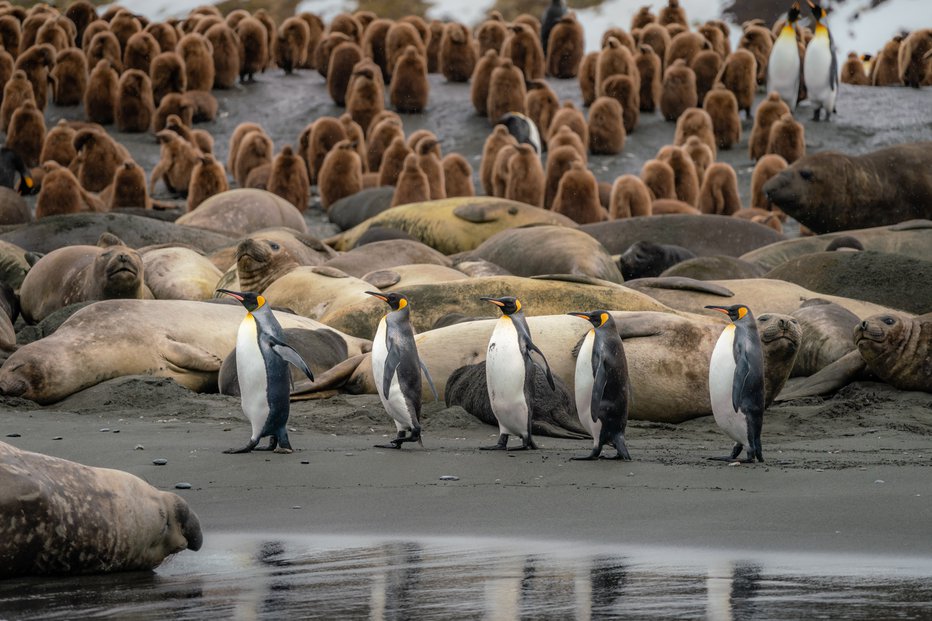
(251,577)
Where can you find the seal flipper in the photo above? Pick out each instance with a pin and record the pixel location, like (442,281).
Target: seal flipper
(183,357)
(827,380)
(331,379)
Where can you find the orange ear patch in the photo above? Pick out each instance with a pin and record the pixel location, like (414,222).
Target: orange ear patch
(742,311)
(402,303)
(603,317)
(260,301)
(517,305)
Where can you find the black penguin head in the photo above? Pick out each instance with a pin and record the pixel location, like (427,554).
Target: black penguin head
(250,300)
(509,304)
(735,312)
(597,318)
(817,11)
(395,300)
(793,15)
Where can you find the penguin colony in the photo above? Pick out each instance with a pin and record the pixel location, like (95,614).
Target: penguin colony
(143,76)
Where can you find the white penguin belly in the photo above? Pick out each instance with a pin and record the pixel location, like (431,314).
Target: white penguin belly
(783,69)
(251,372)
(393,402)
(818,72)
(585,379)
(721,380)
(504,374)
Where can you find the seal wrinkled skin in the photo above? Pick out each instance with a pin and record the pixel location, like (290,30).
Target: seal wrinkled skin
(898,349)
(266,256)
(781,336)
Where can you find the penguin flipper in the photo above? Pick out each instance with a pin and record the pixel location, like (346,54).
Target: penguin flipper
(532,349)
(289,354)
(746,378)
(430,380)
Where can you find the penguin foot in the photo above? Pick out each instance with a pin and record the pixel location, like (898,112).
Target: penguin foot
(618,457)
(586,458)
(723,458)
(234,451)
(283,450)
(500,446)
(391,445)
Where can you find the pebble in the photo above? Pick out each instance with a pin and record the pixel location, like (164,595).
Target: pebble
(105,430)
(819,470)
(305,461)
(139,447)
(13,435)
(182,486)
(449,477)
(160,461)
(57,438)
(879,481)
(296,507)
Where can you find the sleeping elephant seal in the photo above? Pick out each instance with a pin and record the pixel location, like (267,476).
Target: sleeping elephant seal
(315,291)
(110,270)
(898,349)
(61,517)
(645,259)
(830,191)
(715,267)
(356,208)
(385,254)
(401,276)
(178,273)
(240,212)
(13,264)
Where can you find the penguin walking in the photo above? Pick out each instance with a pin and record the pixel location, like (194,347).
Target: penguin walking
(783,66)
(509,374)
(262,358)
(820,67)
(396,368)
(736,382)
(549,19)
(522,128)
(602,388)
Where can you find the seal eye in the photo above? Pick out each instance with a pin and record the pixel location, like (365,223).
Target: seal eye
(889,321)
(274,246)
(806,174)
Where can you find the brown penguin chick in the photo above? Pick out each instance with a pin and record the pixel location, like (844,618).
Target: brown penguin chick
(10,34)
(739,75)
(500,169)
(649,67)
(433,46)
(630,198)
(198,61)
(852,72)
(342,60)
(559,160)
(429,162)
(164,34)
(767,113)
(365,96)
(719,191)
(204,106)
(614,59)
(69,77)
(365,18)
(541,104)
(914,59)
(62,194)
(759,41)
(16,92)
(176,164)
(659,178)
(706,65)
(525,182)
(886,67)
(413,185)
(97,156)
(565,48)
(59,144)
(625,91)
(173,103)
(254,48)
(225,51)
(568,115)
(673,13)
(236,138)
(168,75)
(496,140)
(105,46)
(587,77)
(202,139)
(175,123)
(326,133)
(255,149)
(141,48)
(764,218)
(523,48)
(37,62)
(288,178)
(400,36)
(695,122)
(393,160)
(325,48)
(642,18)
(457,56)
(258,177)
(716,38)
(491,35)
(409,88)
(685,45)
(270,31)
(529,21)
(767,167)
(124,25)
(340,175)
(658,38)
(564,136)
(128,188)
(684,173)
(56,33)
(6,68)
(622,36)
(355,135)
(506,91)
(679,90)
(373,43)
(348,25)
(289,49)
(606,127)
(235,16)
(787,138)
(671,206)
(578,196)
(205,23)
(81,13)
(722,107)
(315,26)
(700,153)
(381,135)
(479,82)
(135,109)
(457,176)
(26,133)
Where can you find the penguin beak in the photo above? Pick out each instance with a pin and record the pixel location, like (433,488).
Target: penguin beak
(719,309)
(580,315)
(232,294)
(377,295)
(498,303)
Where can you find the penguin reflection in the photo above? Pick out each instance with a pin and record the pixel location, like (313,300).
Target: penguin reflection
(394,588)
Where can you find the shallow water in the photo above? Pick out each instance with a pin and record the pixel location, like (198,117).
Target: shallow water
(250,576)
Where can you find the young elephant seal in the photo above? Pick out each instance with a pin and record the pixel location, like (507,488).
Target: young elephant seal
(898,349)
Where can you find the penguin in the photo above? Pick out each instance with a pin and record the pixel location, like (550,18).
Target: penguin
(262,358)
(736,382)
(11,165)
(783,66)
(509,374)
(549,19)
(820,67)
(522,128)
(396,368)
(602,387)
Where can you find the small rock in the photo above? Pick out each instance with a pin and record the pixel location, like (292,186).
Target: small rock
(116,431)
(305,461)
(139,447)
(819,470)
(734,463)
(160,461)
(296,507)
(105,430)
(879,481)
(13,435)
(182,486)
(57,438)
(449,477)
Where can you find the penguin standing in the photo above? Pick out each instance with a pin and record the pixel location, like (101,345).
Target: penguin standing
(548,20)
(509,373)
(602,389)
(736,382)
(396,368)
(783,66)
(522,128)
(12,164)
(820,67)
(262,358)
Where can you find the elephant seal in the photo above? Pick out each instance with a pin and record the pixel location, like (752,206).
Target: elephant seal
(538,250)
(384,254)
(264,256)
(401,276)
(714,267)
(62,517)
(13,207)
(178,273)
(646,259)
(109,270)
(55,232)
(668,358)
(827,329)
(893,280)
(912,239)
(316,291)
(380,233)
(898,349)
(454,224)
(355,209)
(183,340)
(703,235)
(238,213)
(830,191)
(13,264)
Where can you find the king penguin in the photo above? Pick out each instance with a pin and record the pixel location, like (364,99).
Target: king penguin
(10,165)
(820,67)
(549,19)
(262,358)
(509,373)
(736,382)
(396,368)
(522,128)
(783,66)
(602,389)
